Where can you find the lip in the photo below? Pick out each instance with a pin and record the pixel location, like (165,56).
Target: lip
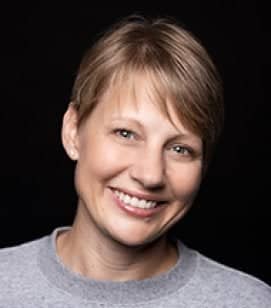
(134,211)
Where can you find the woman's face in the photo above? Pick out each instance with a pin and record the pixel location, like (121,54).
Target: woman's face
(137,171)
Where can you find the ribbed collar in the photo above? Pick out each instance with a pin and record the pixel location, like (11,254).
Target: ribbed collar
(128,292)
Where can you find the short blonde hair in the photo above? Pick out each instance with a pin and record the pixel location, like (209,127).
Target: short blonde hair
(176,62)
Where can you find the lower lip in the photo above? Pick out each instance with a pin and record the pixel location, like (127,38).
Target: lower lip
(135,211)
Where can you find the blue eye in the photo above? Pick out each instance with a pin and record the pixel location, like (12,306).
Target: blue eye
(125,133)
(181,150)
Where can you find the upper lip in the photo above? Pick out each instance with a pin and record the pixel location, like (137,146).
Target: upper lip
(140,195)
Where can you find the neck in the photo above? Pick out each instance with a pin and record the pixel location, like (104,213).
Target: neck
(92,254)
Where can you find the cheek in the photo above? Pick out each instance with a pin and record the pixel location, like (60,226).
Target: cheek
(102,159)
(185,181)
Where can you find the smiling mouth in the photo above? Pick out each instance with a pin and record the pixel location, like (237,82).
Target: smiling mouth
(135,201)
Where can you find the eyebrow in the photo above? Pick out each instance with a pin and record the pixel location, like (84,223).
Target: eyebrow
(114,118)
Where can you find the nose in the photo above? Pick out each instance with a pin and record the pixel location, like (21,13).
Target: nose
(149,170)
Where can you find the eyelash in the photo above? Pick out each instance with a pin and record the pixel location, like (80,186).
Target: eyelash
(188,151)
(120,131)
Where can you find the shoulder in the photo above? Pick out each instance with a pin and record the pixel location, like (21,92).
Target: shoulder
(232,286)
(10,254)
(19,264)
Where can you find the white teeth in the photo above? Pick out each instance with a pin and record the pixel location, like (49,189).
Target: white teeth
(142,203)
(134,201)
(126,199)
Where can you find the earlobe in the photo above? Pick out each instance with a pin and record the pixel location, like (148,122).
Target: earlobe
(70,133)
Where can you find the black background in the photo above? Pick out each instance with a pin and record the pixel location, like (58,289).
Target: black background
(42,46)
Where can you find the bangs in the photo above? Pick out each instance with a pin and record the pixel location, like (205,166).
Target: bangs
(128,80)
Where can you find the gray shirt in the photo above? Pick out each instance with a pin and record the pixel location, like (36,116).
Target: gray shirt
(31,275)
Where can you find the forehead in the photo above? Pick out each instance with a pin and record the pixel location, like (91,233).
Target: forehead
(141,98)
(141,89)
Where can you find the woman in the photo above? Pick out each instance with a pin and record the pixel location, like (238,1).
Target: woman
(145,115)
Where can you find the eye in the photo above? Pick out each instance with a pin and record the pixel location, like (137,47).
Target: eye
(182,150)
(124,133)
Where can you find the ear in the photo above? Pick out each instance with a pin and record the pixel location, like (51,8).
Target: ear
(69,133)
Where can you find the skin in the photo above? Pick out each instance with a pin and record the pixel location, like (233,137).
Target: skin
(107,242)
